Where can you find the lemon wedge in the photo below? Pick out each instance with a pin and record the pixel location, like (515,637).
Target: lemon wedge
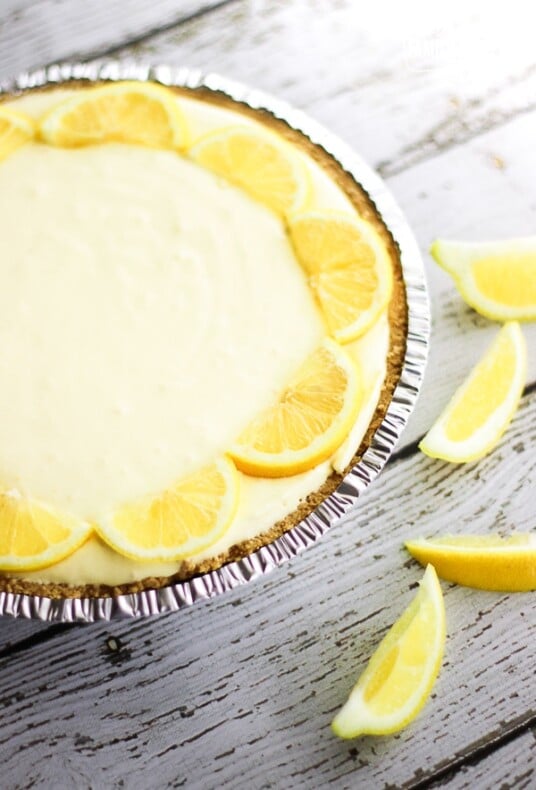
(482,408)
(15,130)
(348,269)
(487,562)
(400,675)
(498,279)
(128,112)
(184,519)
(308,422)
(34,535)
(258,162)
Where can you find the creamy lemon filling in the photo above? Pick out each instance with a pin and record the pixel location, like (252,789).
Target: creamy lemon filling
(148,311)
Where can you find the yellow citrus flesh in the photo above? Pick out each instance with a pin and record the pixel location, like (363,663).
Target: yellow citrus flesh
(498,279)
(348,268)
(184,519)
(266,168)
(127,112)
(487,562)
(34,535)
(482,408)
(15,130)
(309,421)
(400,675)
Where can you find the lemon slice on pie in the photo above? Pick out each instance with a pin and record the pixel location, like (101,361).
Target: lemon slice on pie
(482,408)
(400,675)
(15,130)
(34,535)
(126,112)
(184,519)
(260,164)
(487,562)
(308,422)
(498,279)
(348,268)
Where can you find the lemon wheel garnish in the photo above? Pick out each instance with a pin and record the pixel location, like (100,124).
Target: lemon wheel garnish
(128,112)
(400,675)
(15,130)
(482,408)
(265,167)
(487,562)
(34,535)
(308,422)
(182,520)
(498,279)
(348,268)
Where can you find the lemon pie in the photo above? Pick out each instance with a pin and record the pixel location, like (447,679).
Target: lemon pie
(202,321)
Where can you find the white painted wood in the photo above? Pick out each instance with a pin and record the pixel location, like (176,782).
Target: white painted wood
(257,676)
(510,767)
(36,32)
(239,692)
(461,194)
(9,7)
(397,82)
(390,80)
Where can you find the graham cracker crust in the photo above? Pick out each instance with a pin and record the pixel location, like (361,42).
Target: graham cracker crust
(398,323)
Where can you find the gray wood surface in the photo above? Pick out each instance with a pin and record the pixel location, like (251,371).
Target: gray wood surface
(519,757)
(239,692)
(36,32)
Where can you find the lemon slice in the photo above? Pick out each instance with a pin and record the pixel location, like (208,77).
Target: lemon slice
(400,675)
(488,562)
(348,268)
(15,130)
(33,535)
(308,422)
(126,112)
(265,167)
(482,408)
(186,518)
(498,279)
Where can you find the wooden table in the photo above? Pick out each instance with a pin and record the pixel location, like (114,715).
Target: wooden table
(239,692)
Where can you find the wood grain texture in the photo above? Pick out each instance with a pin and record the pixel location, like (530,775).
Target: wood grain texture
(399,83)
(17,632)
(239,692)
(244,688)
(461,194)
(14,6)
(510,767)
(36,32)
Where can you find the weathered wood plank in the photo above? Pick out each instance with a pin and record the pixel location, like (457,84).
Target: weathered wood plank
(16,632)
(395,102)
(258,675)
(462,194)
(36,32)
(510,767)
(14,6)
(398,83)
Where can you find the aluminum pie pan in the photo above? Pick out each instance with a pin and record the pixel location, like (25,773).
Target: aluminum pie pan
(257,564)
